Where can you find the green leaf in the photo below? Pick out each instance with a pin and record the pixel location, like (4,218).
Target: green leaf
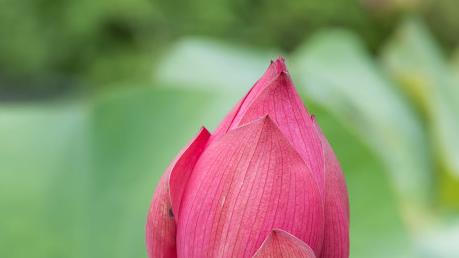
(414,60)
(212,66)
(44,166)
(375,215)
(335,70)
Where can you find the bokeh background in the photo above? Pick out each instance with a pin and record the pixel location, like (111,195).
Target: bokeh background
(96,97)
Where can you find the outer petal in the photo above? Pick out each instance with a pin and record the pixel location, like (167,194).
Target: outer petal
(161,223)
(161,227)
(275,68)
(336,231)
(281,101)
(183,168)
(244,185)
(282,244)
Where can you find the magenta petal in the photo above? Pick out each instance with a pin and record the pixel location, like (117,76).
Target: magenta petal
(184,167)
(282,244)
(336,235)
(274,69)
(283,104)
(244,185)
(161,227)
(161,222)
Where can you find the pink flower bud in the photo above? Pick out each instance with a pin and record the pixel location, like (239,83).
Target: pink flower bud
(265,183)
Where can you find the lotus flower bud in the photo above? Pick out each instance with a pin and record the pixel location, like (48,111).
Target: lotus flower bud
(266,183)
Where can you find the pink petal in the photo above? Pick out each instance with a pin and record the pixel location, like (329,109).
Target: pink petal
(283,104)
(244,185)
(282,244)
(161,223)
(275,94)
(336,238)
(161,227)
(181,172)
(275,68)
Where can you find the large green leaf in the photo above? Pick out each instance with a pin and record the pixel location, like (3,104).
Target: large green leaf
(44,164)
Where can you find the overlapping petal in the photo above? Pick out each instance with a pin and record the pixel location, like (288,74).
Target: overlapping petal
(161,221)
(280,244)
(281,101)
(336,230)
(274,69)
(275,94)
(183,168)
(245,184)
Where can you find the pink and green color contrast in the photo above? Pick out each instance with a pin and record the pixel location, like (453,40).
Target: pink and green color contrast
(266,183)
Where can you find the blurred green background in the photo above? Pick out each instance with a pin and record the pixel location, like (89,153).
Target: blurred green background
(96,97)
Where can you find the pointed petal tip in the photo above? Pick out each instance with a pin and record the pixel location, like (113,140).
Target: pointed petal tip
(279,89)
(268,121)
(281,79)
(264,121)
(279,64)
(204,132)
(280,243)
(266,118)
(284,77)
(280,59)
(278,233)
